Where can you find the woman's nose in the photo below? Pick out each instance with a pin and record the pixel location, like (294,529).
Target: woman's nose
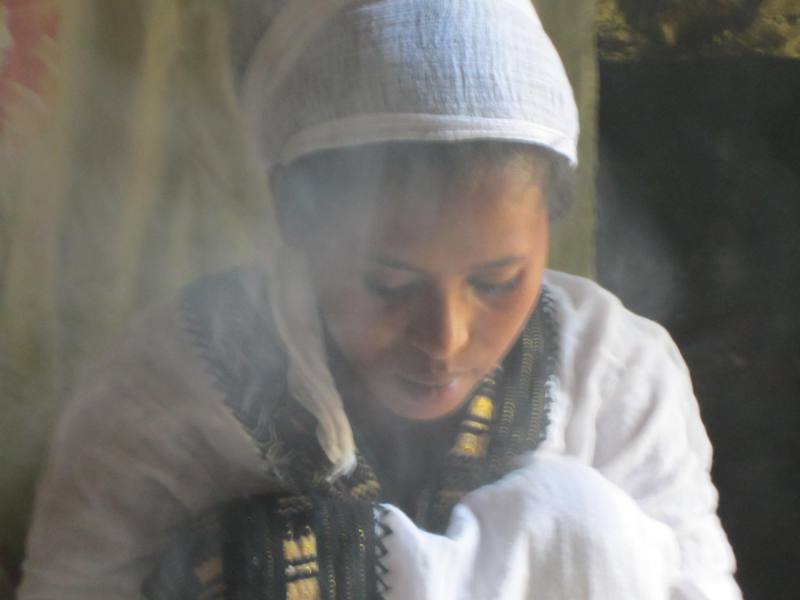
(441,328)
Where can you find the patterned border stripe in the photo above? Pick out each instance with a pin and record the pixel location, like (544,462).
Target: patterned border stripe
(473,439)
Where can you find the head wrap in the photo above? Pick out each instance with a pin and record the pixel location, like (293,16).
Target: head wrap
(338,73)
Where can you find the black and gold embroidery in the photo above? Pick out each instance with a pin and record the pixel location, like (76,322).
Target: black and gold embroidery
(302,566)
(507,417)
(474,435)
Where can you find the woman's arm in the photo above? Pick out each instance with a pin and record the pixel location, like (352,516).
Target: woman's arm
(625,406)
(146,446)
(651,442)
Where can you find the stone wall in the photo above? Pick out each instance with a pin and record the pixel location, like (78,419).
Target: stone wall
(635,29)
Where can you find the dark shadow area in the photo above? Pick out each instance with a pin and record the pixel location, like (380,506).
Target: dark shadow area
(699,229)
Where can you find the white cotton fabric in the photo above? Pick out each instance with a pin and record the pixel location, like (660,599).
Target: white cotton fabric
(554,529)
(151,444)
(337,73)
(617,503)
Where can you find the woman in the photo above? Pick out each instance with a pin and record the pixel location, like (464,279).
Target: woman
(406,402)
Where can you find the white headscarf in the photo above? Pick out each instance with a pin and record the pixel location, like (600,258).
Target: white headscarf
(338,73)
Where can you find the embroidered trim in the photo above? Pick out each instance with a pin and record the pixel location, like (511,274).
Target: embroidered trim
(474,435)
(382,531)
(514,405)
(239,350)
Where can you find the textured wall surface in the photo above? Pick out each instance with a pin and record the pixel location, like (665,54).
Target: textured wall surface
(130,178)
(634,29)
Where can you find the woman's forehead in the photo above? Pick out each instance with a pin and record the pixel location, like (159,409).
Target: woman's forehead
(465,235)
(487,215)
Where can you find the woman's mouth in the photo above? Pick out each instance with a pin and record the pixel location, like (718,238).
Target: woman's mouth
(431,388)
(434,383)
(428,396)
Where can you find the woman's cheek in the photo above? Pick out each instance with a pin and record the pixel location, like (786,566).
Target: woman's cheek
(383,325)
(362,324)
(507,315)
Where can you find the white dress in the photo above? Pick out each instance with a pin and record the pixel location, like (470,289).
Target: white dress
(616,503)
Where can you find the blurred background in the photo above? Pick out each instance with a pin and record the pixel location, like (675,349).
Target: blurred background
(698,206)
(124,174)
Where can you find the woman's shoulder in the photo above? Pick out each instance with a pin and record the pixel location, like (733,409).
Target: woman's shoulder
(592,321)
(227,324)
(213,334)
(202,370)
(610,360)
(226,320)
(153,435)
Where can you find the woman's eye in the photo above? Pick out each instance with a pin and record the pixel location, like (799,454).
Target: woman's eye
(388,289)
(496,288)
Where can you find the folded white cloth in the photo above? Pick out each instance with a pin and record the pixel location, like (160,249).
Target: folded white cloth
(335,73)
(555,529)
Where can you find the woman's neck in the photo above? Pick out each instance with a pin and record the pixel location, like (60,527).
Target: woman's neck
(406,453)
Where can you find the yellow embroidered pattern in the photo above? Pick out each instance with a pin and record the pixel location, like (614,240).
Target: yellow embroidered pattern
(473,440)
(302,568)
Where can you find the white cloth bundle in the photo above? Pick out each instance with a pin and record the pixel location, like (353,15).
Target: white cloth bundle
(555,529)
(336,73)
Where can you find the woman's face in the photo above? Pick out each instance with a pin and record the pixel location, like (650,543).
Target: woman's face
(425,284)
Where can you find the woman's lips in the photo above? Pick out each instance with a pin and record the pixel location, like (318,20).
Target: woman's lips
(433,381)
(430,396)
(439,387)
(434,384)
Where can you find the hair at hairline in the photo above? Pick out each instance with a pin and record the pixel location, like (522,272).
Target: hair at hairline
(300,183)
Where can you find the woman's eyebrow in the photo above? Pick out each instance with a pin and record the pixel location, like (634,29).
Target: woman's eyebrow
(391,263)
(506,261)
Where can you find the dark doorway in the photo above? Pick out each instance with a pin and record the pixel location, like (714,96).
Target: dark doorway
(699,228)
